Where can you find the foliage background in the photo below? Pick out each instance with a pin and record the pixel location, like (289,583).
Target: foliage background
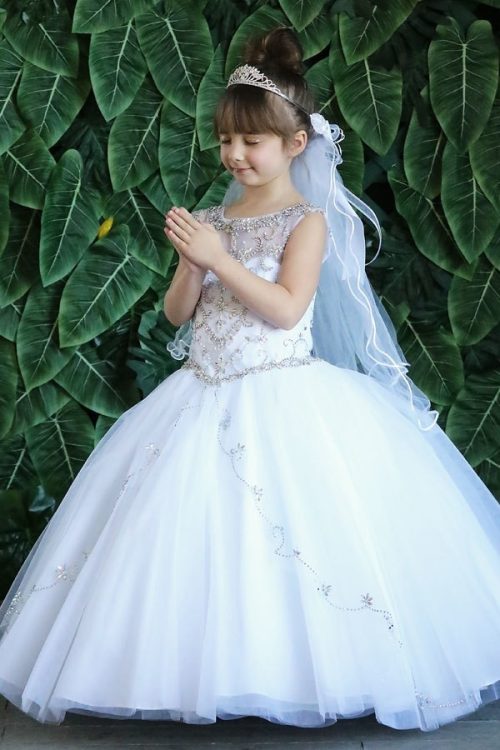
(105,113)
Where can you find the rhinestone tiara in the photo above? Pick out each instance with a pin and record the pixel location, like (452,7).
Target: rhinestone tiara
(252,76)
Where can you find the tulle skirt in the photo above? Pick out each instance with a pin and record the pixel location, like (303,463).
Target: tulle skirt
(287,545)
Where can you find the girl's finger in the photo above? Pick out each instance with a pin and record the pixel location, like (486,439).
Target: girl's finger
(178,231)
(180,220)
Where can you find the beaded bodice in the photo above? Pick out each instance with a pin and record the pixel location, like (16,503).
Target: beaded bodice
(228,339)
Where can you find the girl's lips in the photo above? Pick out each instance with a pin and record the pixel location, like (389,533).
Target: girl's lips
(244,169)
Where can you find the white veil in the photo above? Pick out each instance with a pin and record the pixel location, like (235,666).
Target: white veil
(351,328)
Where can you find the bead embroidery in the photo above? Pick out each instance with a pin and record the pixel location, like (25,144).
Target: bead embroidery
(235,454)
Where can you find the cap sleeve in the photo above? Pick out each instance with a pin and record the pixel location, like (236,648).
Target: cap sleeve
(298,219)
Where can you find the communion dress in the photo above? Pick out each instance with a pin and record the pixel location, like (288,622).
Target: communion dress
(264,534)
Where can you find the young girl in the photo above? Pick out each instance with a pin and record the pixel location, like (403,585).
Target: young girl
(267,533)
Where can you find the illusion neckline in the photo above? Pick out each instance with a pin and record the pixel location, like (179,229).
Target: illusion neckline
(260,216)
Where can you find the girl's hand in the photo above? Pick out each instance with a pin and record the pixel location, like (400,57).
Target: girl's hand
(198,243)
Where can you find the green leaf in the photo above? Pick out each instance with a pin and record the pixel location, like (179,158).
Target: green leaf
(353,165)
(9,319)
(177,44)
(302,13)
(436,363)
(489,470)
(423,151)
(463,78)
(8,378)
(364,34)
(11,68)
(101,15)
(102,425)
(4,209)
(16,467)
(117,69)
(184,168)
(35,406)
(133,139)
(49,102)
(70,218)
(39,355)
(474,418)
(105,284)
(317,35)
(258,23)
(60,446)
(474,306)
(19,260)
(48,44)
(96,382)
(427,226)
(485,157)
(211,87)
(319,80)
(154,190)
(28,164)
(472,218)
(146,225)
(370,99)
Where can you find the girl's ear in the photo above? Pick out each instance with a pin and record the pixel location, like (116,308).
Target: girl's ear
(298,143)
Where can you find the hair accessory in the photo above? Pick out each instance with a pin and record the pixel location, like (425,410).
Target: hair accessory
(249,75)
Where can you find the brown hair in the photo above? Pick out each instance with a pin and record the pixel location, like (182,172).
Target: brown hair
(250,109)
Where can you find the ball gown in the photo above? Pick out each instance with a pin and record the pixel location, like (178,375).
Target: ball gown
(264,534)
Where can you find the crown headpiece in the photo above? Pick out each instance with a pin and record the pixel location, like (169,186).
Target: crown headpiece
(249,75)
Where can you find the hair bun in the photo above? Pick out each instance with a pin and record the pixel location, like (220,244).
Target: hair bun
(279,48)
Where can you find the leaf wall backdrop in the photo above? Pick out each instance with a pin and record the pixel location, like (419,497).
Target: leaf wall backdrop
(106,122)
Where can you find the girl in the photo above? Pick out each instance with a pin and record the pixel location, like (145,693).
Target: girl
(271,532)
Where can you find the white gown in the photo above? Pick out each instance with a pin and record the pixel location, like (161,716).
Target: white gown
(264,534)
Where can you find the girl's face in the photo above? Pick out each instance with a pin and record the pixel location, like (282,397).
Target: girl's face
(254,158)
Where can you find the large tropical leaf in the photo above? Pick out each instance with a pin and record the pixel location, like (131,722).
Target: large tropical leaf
(16,467)
(474,305)
(47,43)
(8,379)
(427,226)
(11,125)
(436,364)
(133,140)
(19,260)
(146,225)
(4,209)
(49,102)
(463,78)
(97,382)
(489,471)
(319,79)
(316,35)
(38,352)
(28,164)
(105,284)
(303,13)
(260,22)
(101,15)
(10,316)
(474,419)
(369,97)
(485,157)
(361,35)
(472,218)
(211,87)
(184,168)
(36,405)
(177,44)
(70,218)
(60,446)
(423,150)
(117,69)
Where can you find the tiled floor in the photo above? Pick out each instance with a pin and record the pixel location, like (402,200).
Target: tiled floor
(478,731)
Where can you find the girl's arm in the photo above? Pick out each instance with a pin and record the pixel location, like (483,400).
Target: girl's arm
(284,302)
(183,293)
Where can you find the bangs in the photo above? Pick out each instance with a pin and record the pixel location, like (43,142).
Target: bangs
(247,109)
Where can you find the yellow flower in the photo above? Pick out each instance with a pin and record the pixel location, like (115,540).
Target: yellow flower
(105,227)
